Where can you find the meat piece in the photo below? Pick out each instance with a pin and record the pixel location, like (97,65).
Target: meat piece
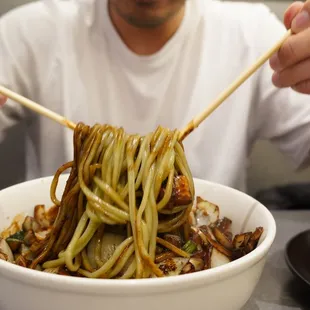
(181,194)
(222,238)
(51,214)
(246,243)
(173,239)
(29,238)
(208,238)
(40,216)
(241,240)
(253,241)
(224,225)
(196,238)
(27,225)
(207,257)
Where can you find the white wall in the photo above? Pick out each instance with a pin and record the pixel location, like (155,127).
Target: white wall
(268,167)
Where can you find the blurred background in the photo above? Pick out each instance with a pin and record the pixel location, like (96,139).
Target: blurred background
(267,166)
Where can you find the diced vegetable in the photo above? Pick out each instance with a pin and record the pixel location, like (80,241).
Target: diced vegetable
(190,247)
(16,240)
(218,258)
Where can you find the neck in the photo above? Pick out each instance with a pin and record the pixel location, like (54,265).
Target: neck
(146,41)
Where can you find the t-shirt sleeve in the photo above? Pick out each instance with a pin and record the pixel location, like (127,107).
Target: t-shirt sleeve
(15,68)
(282,115)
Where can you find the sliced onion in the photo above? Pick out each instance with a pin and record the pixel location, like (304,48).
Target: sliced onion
(198,263)
(173,266)
(6,250)
(91,249)
(109,243)
(206,212)
(218,259)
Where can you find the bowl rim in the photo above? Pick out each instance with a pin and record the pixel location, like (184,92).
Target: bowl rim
(131,287)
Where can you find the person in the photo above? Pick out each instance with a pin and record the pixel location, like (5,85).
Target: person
(292,62)
(144,63)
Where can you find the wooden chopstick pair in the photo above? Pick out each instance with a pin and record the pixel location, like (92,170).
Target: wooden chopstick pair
(189,127)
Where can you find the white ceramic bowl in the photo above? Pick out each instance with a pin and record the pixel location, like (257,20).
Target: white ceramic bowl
(225,287)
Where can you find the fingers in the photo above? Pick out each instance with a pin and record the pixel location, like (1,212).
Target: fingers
(291,13)
(303,87)
(295,49)
(2,100)
(292,75)
(292,62)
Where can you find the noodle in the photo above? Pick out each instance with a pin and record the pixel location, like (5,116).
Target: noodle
(123,182)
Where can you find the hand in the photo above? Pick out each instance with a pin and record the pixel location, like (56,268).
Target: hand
(292,62)
(2,100)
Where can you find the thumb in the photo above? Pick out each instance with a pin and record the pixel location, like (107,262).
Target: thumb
(291,13)
(2,100)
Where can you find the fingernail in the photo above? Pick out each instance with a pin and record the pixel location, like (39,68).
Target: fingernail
(276,79)
(301,21)
(274,62)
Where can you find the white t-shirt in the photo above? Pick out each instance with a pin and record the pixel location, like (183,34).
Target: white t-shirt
(67,56)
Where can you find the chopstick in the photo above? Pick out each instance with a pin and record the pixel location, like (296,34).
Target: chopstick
(36,107)
(190,126)
(194,123)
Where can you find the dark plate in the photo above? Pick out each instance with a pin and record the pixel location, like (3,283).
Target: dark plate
(297,255)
